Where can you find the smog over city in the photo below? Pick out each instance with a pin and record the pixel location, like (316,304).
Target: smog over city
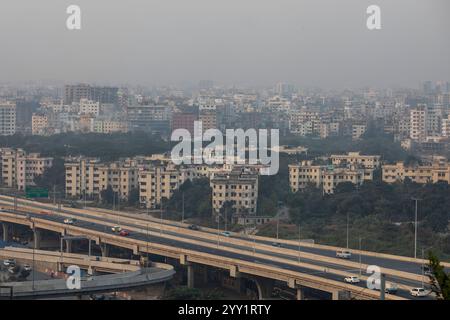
(198,155)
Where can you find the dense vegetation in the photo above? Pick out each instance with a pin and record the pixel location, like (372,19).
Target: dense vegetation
(381,214)
(106,146)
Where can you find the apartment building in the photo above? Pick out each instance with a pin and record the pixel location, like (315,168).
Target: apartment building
(433,173)
(446,127)
(109,126)
(418,123)
(332,177)
(327,177)
(39,124)
(7,119)
(238,187)
(89,177)
(19,168)
(358,130)
(367,162)
(89,107)
(303,174)
(158,183)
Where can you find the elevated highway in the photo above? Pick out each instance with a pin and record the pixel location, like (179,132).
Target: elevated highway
(313,266)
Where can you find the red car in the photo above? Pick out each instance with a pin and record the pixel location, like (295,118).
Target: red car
(124,233)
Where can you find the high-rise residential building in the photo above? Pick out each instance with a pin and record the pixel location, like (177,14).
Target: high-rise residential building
(446,127)
(89,107)
(149,118)
(39,124)
(74,93)
(184,120)
(418,123)
(7,119)
(239,188)
(208,118)
(19,168)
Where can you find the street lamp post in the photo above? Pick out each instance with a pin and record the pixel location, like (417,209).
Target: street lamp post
(415,226)
(360,262)
(347,227)
(299,245)
(182,211)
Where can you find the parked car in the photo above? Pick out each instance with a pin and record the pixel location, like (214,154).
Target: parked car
(116,229)
(69,221)
(226,233)
(9,262)
(194,227)
(124,233)
(343,254)
(418,292)
(352,279)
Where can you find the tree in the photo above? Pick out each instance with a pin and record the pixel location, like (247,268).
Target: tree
(53,176)
(107,195)
(440,280)
(133,198)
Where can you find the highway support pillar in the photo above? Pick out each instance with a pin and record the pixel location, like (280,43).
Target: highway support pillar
(300,294)
(335,295)
(37,236)
(190,275)
(68,245)
(5,227)
(104,247)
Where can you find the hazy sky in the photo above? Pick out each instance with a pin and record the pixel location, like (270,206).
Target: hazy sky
(306,42)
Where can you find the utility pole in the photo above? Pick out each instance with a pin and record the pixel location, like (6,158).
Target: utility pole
(382,286)
(347,227)
(299,241)
(360,264)
(278,227)
(182,210)
(415,226)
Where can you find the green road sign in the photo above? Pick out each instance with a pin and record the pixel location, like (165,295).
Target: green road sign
(36,193)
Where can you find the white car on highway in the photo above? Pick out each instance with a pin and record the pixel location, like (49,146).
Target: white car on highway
(343,254)
(418,292)
(9,263)
(352,279)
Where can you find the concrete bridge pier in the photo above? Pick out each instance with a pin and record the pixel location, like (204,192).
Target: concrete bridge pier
(264,287)
(190,275)
(300,294)
(105,248)
(37,236)
(5,227)
(68,245)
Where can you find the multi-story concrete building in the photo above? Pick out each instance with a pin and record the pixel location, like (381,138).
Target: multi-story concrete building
(327,177)
(7,119)
(366,162)
(446,127)
(159,183)
(89,107)
(418,123)
(239,187)
(89,177)
(19,168)
(432,173)
(39,124)
(358,130)
(109,126)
